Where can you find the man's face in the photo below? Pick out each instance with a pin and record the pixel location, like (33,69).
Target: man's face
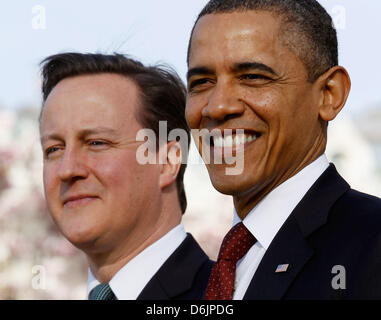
(95,190)
(241,76)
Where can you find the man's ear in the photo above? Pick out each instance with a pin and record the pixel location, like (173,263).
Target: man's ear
(170,157)
(334,86)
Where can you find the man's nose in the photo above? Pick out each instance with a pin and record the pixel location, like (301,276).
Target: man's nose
(72,166)
(223,103)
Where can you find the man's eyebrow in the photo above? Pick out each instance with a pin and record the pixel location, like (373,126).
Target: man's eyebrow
(198,71)
(245,66)
(237,67)
(82,133)
(90,131)
(51,136)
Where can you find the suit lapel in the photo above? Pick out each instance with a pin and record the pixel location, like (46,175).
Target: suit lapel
(266,283)
(177,275)
(290,245)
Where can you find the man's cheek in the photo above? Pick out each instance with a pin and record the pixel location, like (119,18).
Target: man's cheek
(193,116)
(113,173)
(51,187)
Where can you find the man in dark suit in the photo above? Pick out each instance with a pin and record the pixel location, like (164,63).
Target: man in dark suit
(265,74)
(114,194)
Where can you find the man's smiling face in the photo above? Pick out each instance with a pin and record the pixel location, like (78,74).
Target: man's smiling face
(242,76)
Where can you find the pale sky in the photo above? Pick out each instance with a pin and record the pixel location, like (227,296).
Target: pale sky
(157,31)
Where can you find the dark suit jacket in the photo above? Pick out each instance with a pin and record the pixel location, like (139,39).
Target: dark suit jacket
(184,276)
(333,225)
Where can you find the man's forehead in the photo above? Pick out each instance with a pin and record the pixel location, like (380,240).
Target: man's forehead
(242,22)
(218,47)
(88,120)
(226,31)
(104,90)
(107,83)
(91,106)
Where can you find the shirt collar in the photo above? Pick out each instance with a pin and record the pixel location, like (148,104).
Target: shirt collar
(268,216)
(130,280)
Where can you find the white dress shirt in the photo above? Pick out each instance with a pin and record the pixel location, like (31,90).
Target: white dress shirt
(129,281)
(268,216)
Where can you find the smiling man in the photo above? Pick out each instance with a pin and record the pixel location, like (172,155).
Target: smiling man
(270,68)
(125,215)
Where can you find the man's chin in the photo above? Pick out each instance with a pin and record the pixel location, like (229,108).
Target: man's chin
(82,240)
(229,185)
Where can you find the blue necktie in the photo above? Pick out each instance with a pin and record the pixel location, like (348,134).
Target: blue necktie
(102,292)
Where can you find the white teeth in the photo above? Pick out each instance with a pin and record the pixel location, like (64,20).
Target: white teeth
(218,141)
(237,140)
(229,141)
(251,138)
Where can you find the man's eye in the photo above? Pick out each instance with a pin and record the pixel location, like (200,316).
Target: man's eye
(197,83)
(252,76)
(50,150)
(97,143)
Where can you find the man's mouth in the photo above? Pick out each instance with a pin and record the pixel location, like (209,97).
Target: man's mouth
(78,200)
(230,138)
(233,140)
(224,146)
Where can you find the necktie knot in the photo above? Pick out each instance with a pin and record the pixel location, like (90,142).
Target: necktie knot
(236,243)
(102,292)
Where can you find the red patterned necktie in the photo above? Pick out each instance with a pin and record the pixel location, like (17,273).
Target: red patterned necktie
(234,246)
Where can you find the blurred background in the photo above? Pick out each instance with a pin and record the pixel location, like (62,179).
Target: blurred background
(36,262)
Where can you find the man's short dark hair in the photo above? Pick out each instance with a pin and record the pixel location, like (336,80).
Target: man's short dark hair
(162,91)
(306,28)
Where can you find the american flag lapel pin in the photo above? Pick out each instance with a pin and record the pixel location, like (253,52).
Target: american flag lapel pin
(281,268)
